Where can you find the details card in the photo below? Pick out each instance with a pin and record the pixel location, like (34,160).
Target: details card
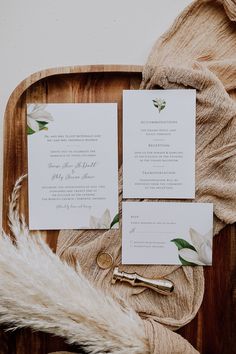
(72,166)
(167,233)
(159,143)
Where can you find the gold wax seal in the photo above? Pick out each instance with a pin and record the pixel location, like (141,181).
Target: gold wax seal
(104,260)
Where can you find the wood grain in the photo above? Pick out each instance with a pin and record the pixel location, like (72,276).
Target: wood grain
(213,329)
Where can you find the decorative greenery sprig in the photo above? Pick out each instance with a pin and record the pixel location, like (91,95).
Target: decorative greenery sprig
(159,103)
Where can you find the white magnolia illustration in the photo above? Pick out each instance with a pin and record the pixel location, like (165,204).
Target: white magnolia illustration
(159,103)
(104,222)
(37,117)
(197,253)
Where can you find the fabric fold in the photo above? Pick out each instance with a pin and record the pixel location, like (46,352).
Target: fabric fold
(230,8)
(164,341)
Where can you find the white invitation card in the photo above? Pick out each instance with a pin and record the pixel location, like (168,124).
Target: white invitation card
(72,166)
(167,233)
(159,143)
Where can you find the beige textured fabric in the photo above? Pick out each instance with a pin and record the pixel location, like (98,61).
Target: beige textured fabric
(199,51)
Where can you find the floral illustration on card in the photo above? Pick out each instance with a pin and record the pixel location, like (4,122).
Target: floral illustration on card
(37,118)
(132,231)
(104,222)
(159,103)
(199,252)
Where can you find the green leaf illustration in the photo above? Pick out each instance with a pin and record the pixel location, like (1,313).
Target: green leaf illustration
(181,243)
(42,124)
(186,263)
(159,103)
(30,131)
(115,220)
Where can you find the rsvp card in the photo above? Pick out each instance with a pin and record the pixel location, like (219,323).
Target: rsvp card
(159,143)
(72,166)
(167,233)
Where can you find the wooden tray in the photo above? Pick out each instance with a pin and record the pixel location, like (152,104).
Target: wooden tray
(212,329)
(65,85)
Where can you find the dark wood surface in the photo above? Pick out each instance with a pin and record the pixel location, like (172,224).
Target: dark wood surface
(213,331)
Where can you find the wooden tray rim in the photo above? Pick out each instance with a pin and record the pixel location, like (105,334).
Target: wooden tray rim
(78,69)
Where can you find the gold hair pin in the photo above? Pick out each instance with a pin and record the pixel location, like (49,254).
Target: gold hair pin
(162,286)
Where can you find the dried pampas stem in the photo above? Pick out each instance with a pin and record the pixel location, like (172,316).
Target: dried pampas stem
(16,224)
(38,290)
